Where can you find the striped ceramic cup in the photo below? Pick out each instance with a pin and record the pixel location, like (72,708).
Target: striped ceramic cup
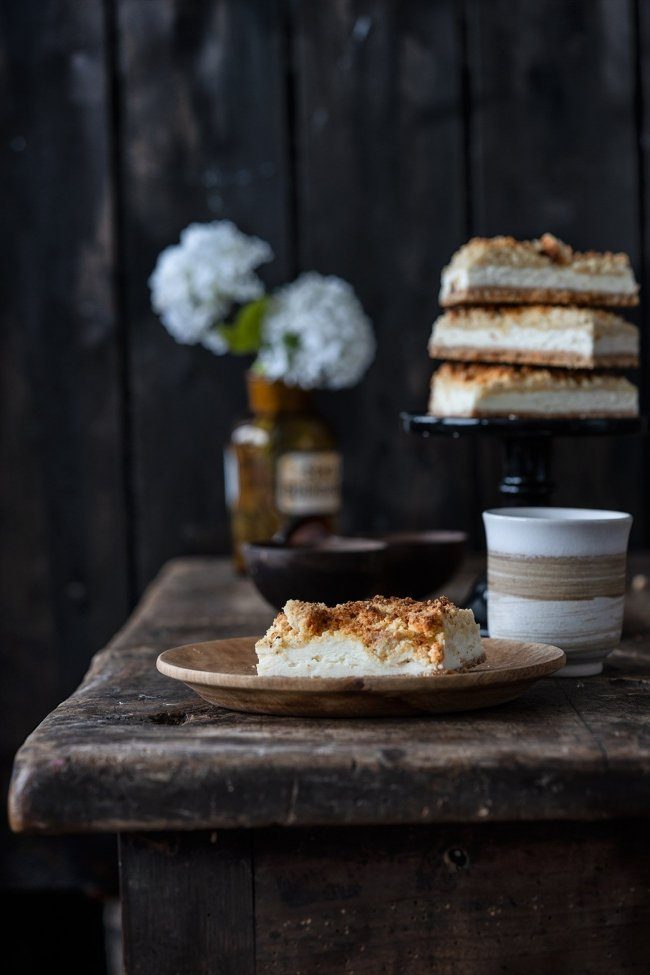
(557,575)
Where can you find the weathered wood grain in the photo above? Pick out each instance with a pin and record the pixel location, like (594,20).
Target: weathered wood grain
(454,900)
(132,750)
(204,137)
(451,899)
(380,201)
(548,80)
(187,903)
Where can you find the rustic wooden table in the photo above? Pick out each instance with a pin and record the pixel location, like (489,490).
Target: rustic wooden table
(499,841)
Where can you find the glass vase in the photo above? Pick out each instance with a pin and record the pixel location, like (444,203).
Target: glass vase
(282,469)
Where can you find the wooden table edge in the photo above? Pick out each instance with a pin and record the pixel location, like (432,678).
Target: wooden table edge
(624,793)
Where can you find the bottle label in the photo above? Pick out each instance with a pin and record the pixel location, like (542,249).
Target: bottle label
(308,482)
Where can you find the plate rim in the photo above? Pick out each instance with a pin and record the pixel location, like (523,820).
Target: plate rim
(371,683)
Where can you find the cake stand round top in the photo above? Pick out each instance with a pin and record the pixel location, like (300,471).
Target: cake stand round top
(504,426)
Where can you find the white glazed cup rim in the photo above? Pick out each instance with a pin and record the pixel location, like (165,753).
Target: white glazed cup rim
(563,516)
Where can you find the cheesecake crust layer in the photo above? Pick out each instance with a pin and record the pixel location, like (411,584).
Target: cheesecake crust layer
(536,296)
(566,360)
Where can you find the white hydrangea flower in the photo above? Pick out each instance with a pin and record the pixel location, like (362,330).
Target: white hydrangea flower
(316,334)
(214,341)
(196,282)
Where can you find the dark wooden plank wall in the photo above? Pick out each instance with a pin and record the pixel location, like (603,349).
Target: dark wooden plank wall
(380,190)
(203,136)
(553,143)
(64,582)
(366,138)
(64,577)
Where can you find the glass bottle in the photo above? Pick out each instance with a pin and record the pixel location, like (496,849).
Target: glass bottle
(282,468)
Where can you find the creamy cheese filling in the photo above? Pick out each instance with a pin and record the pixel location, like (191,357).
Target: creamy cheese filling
(579,341)
(557,278)
(576,340)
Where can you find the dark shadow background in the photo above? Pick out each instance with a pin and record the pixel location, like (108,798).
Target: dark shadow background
(366,139)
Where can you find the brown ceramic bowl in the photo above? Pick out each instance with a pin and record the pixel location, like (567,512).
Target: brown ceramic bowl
(408,563)
(419,563)
(330,572)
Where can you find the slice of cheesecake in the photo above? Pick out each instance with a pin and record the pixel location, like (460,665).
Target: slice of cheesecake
(546,335)
(378,636)
(525,391)
(502,270)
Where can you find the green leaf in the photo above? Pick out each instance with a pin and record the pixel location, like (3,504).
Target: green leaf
(245,334)
(291,341)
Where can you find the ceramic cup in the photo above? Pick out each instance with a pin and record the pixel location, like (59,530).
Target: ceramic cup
(557,575)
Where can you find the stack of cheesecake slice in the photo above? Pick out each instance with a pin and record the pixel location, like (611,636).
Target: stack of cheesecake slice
(529,329)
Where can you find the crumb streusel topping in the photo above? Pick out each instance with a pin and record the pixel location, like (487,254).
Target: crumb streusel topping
(547,251)
(499,378)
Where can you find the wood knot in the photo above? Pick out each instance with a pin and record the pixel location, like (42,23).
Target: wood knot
(169,717)
(456,858)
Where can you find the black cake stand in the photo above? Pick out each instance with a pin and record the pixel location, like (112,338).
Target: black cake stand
(527,455)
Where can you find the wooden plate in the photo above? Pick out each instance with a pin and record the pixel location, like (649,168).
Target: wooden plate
(223,672)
